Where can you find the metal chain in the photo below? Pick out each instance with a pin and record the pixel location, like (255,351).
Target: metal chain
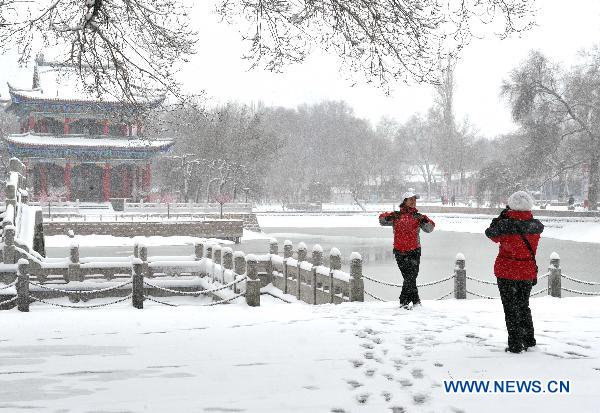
(9,301)
(543,290)
(482,296)
(400,285)
(381,282)
(374,296)
(480,280)
(579,292)
(580,281)
(81,306)
(436,282)
(58,290)
(147,297)
(194,293)
(543,276)
(445,295)
(12,284)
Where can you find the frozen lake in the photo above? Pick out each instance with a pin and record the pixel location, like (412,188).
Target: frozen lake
(578,259)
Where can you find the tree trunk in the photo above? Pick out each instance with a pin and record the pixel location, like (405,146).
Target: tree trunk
(593,184)
(355,198)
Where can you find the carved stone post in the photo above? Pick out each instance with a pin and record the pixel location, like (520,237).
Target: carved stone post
(554,279)
(74,270)
(137,293)
(146,270)
(335,264)
(9,245)
(288,251)
(317,261)
(357,286)
(23,286)
(239,266)
(460,278)
(252,281)
(302,252)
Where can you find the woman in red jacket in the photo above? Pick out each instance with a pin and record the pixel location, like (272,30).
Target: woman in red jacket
(408,223)
(518,234)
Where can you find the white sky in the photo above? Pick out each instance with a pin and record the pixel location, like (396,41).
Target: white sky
(563,29)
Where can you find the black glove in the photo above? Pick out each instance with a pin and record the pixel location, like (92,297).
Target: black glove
(534,281)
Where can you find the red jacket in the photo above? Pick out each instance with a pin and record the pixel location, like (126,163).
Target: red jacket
(514,260)
(407,223)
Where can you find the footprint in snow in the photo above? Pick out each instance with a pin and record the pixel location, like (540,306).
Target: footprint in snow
(417,373)
(369,355)
(397,409)
(357,363)
(387,396)
(367,346)
(354,384)
(370,372)
(362,398)
(405,382)
(390,377)
(420,398)
(438,364)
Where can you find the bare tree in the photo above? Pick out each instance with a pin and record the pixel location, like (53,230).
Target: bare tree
(567,102)
(118,46)
(384,40)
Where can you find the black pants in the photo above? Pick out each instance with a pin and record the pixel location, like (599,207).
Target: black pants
(515,300)
(408,263)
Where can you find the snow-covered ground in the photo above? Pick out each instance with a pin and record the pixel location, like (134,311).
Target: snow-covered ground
(279,357)
(568,229)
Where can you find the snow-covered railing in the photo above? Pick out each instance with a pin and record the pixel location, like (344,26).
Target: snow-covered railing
(460,277)
(311,281)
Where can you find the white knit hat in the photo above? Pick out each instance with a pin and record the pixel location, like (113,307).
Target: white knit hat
(409,194)
(520,201)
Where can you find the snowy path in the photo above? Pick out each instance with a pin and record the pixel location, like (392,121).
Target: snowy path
(293,358)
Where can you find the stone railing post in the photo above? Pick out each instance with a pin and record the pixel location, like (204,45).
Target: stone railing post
(460,277)
(10,256)
(252,281)
(273,251)
(74,270)
(239,266)
(227,260)
(23,286)
(357,285)
(302,253)
(210,269)
(136,249)
(335,264)
(137,285)
(217,254)
(198,255)
(288,251)
(317,261)
(144,258)
(554,279)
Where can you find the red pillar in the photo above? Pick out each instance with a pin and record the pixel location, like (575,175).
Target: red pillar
(105,127)
(45,126)
(106,182)
(43,180)
(126,182)
(67,127)
(147,178)
(67,177)
(31,124)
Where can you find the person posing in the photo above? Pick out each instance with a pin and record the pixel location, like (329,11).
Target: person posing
(407,224)
(518,234)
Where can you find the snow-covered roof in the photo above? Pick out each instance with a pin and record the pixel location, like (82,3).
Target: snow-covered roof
(59,81)
(47,140)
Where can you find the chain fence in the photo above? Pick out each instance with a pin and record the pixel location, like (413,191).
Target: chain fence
(120,300)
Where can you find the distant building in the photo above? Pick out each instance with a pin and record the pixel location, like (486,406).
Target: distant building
(77,146)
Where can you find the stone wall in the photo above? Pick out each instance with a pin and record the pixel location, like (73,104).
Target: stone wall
(223,229)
